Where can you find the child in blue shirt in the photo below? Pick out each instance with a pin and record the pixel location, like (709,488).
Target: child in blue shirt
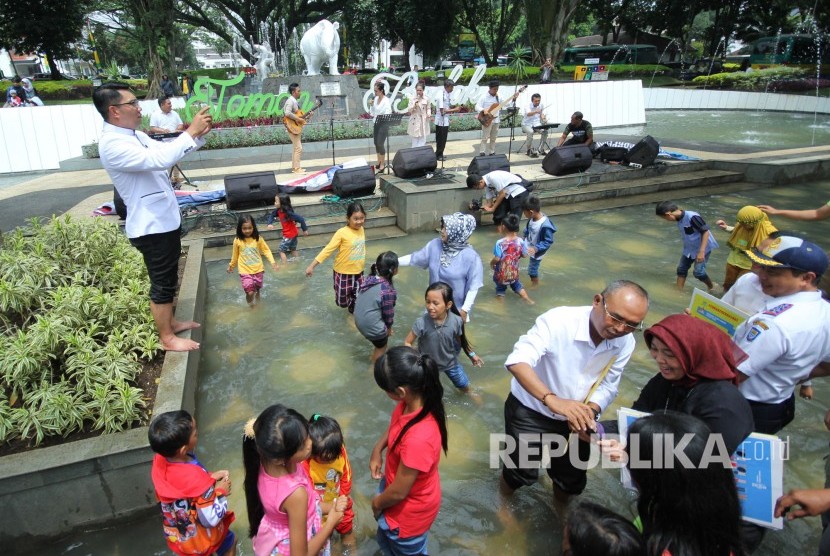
(698,242)
(538,235)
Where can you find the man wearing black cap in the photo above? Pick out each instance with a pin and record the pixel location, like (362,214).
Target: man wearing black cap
(442,118)
(790,335)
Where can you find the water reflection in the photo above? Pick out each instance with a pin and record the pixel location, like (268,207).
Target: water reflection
(297,348)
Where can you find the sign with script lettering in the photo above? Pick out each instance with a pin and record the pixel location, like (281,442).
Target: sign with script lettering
(239,106)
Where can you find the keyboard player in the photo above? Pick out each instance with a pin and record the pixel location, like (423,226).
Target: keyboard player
(533,116)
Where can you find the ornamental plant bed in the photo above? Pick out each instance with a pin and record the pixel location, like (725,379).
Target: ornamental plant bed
(79,353)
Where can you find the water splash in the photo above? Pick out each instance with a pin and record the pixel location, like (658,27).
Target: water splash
(660,59)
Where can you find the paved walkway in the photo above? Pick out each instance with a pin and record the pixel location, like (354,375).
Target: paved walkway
(43,194)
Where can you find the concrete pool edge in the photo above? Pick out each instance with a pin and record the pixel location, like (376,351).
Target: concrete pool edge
(50,492)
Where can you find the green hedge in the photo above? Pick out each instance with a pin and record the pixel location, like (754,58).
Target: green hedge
(77,89)
(75,330)
(756,80)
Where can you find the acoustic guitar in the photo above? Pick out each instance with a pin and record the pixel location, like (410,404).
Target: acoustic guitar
(296,127)
(486,116)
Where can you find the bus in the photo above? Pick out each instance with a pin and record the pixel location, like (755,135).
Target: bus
(789,50)
(618,54)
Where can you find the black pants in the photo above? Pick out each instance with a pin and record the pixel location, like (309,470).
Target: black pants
(772,417)
(161,254)
(380,133)
(509,205)
(441,133)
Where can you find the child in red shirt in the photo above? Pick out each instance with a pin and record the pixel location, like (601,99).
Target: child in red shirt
(409,495)
(194,504)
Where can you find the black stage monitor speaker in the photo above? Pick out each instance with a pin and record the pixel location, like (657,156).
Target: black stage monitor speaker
(353,182)
(482,165)
(566,160)
(250,190)
(643,153)
(415,162)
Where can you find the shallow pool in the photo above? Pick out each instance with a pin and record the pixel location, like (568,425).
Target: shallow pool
(299,349)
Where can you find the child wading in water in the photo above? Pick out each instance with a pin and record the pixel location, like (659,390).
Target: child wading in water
(193,502)
(439,333)
(331,472)
(374,311)
(409,494)
(288,220)
(248,249)
(350,244)
(283,509)
(752,227)
(505,261)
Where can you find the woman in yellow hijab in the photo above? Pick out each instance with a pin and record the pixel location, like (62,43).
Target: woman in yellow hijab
(752,227)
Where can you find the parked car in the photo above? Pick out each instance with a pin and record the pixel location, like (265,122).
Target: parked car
(702,66)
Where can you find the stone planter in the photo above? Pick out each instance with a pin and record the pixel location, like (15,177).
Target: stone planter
(48,492)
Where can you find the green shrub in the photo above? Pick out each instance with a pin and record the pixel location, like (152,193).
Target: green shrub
(756,80)
(75,330)
(79,89)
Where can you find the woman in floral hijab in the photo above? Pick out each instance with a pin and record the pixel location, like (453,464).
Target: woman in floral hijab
(453,260)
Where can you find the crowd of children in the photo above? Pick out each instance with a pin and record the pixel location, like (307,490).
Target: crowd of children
(297,472)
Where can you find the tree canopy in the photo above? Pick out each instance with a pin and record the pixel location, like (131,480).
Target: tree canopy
(47,26)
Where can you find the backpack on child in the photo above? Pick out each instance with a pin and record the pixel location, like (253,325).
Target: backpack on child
(507,271)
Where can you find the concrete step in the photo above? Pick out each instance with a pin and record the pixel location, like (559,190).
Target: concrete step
(218,229)
(585,197)
(313,242)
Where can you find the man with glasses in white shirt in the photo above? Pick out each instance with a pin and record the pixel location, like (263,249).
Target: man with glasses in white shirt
(138,167)
(559,385)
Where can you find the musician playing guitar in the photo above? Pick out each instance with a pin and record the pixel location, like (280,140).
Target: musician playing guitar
(292,112)
(489,121)
(488,109)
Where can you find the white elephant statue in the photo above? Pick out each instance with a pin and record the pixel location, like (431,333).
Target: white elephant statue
(319,46)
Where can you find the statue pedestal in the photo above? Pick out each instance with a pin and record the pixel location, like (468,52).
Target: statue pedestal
(339,93)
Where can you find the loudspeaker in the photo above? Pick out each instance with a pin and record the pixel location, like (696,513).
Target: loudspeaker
(120,206)
(353,182)
(482,165)
(566,160)
(415,162)
(643,153)
(250,190)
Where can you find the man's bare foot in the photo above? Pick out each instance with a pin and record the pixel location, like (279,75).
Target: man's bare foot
(179,344)
(181,326)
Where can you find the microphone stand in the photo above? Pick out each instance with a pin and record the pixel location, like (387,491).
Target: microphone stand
(331,131)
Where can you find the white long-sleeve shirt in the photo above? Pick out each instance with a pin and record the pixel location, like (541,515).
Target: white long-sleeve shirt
(138,168)
(559,348)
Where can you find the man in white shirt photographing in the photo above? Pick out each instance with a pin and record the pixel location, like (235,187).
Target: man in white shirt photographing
(138,167)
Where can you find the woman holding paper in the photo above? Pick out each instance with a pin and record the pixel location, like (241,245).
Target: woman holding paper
(698,376)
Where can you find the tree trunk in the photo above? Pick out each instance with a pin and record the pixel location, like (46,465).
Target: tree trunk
(551,33)
(53,67)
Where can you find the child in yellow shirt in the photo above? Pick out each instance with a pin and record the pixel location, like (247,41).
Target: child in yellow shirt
(350,244)
(248,249)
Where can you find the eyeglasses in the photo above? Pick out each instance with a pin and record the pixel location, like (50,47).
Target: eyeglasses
(617,320)
(132,103)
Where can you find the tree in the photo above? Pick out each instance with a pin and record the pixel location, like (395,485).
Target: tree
(409,22)
(243,18)
(607,16)
(492,21)
(47,26)
(549,30)
(359,31)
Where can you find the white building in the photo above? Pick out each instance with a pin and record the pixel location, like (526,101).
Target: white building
(209,58)
(387,54)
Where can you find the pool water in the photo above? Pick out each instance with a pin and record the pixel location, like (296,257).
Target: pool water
(299,349)
(756,128)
